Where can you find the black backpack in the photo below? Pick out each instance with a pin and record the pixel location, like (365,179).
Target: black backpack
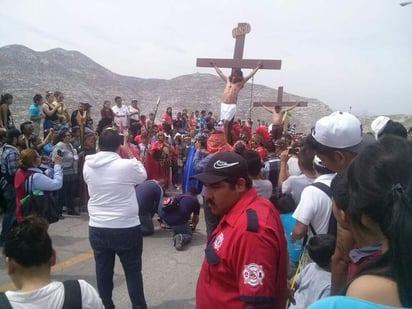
(72,296)
(333,226)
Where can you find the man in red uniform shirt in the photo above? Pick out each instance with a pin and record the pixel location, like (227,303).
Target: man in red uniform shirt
(245,261)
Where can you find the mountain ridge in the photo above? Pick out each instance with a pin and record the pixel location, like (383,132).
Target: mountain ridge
(25,72)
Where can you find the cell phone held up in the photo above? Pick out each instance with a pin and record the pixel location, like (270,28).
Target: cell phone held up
(59,153)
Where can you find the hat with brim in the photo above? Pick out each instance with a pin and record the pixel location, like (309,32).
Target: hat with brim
(339,130)
(221,166)
(208,178)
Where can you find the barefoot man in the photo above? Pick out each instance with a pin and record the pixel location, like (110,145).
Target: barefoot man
(278,119)
(234,83)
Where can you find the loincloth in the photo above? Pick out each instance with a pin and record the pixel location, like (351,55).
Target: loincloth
(227,111)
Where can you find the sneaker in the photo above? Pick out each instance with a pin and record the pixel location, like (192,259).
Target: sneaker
(178,242)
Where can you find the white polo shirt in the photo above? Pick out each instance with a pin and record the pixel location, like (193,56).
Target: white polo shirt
(120,115)
(315,206)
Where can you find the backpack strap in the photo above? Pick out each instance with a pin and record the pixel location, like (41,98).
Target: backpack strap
(325,189)
(4,301)
(28,184)
(252,223)
(72,295)
(312,229)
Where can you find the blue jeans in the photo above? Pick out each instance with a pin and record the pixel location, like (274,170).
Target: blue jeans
(127,243)
(148,194)
(185,230)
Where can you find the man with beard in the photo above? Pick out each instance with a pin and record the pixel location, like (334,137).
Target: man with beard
(234,83)
(245,261)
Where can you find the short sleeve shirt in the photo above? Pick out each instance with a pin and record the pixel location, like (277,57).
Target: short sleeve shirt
(120,115)
(34,110)
(243,266)
(315,206)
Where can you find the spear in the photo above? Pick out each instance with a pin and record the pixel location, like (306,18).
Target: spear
(157,107)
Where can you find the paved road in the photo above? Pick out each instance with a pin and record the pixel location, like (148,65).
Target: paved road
(169,275)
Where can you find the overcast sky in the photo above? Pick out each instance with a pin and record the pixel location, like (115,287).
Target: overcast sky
(345,53)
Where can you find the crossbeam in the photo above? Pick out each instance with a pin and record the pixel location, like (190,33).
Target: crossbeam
(239,34)
(280,102)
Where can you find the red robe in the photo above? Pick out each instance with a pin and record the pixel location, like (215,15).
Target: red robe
(162,165)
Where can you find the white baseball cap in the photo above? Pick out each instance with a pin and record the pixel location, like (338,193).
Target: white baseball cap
(339,130)
(378,125)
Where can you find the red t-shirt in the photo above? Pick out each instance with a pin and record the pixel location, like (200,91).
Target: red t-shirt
(166,118)
(245,267)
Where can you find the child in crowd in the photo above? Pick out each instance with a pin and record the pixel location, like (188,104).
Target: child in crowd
(314,281)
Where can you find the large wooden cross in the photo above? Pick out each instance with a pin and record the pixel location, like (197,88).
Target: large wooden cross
(280,101)
(239,34)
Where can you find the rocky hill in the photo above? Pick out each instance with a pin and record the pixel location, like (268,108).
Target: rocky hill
(24,72)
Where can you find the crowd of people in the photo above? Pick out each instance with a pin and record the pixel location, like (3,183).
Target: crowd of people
(315,215)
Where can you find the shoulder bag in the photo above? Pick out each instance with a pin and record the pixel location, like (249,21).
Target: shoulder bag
(39,203)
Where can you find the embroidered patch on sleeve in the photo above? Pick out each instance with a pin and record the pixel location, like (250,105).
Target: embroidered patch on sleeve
(253,274)
(218,241)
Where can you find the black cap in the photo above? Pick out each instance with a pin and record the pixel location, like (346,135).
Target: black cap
(223,165)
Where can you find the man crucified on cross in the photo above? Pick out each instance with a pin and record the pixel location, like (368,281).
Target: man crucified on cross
(234,83)
(278,119)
